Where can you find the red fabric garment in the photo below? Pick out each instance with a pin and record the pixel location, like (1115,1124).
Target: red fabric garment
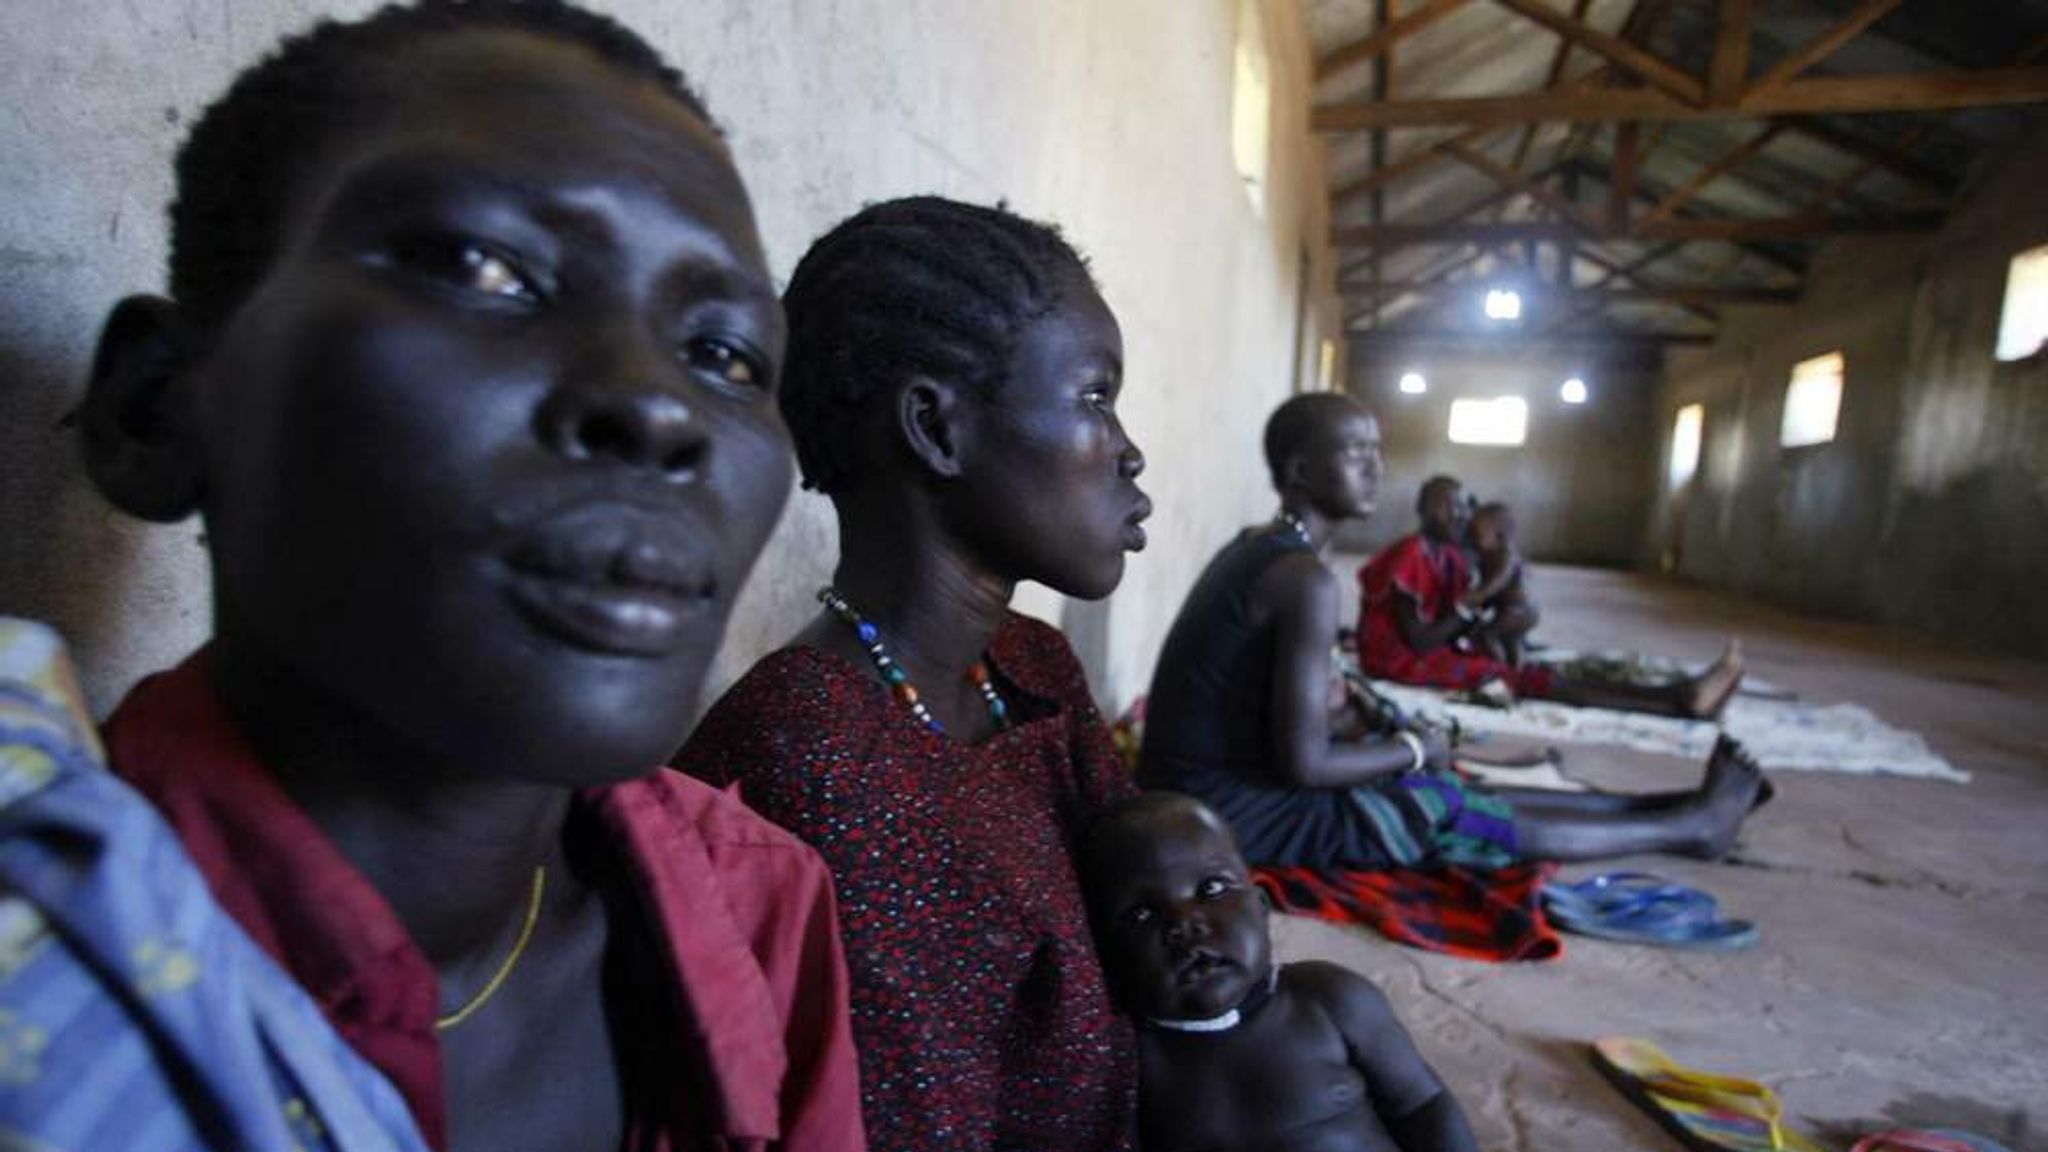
(740,912)
(1493,915)
(1433,576)
(978,1005)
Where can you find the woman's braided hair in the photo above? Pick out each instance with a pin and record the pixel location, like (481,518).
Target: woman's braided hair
(923,286)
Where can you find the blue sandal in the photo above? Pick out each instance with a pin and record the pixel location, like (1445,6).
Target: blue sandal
(1640,908)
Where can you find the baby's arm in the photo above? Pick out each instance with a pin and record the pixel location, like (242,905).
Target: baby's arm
(1416,1108)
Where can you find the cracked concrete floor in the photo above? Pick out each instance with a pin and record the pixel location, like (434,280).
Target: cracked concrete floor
(1905,922)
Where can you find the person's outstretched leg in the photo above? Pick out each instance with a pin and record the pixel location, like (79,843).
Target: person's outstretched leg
(1701,823)
(1528,801)
(1701,697)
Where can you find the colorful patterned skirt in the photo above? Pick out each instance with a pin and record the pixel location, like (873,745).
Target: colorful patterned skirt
(1413,820)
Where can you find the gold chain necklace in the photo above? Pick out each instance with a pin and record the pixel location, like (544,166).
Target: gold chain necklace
(498,978)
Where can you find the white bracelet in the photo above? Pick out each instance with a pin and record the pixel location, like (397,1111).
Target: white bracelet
(1415,749)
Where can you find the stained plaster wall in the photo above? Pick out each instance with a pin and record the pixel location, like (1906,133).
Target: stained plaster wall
(1580,484)
(1926,509)
(1111,118)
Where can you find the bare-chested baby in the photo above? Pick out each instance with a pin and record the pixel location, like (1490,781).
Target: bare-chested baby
(1234,1053)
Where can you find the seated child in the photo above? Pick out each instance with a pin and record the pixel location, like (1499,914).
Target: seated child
(1234,1053)
(468,368)
(1502,594)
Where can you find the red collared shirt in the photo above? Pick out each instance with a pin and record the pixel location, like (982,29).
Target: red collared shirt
(740,912)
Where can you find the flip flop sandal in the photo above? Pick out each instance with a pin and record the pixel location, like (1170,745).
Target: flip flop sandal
(1706,1112)
(1640,908)
(1926,1140)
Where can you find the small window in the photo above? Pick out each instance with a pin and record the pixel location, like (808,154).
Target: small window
(1685,443)
(1813,399)
(1501,422)
(1326,366)
(2023,325)
(1251,118)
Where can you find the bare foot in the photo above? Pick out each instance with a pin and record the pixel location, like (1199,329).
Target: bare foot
(1733,787)
(1711,691)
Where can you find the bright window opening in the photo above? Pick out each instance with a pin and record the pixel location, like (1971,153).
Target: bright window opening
(1326,366)
(1501,422)
(1502,304)
(1685,443)
(1572,391)
(1812,402)
(2023,325)
(1413,384)
(1251,118)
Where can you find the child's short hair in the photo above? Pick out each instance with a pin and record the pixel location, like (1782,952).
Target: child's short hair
(1136,809)
(235,170)
(918,286)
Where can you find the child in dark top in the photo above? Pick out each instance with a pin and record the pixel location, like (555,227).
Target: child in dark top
(1503,591)
(1234,1053)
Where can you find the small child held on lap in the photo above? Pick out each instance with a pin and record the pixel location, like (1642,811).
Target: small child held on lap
(1233,1052)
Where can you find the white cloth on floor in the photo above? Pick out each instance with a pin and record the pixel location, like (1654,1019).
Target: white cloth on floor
(1782,735)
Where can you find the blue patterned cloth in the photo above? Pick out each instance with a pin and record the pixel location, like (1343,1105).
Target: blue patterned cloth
(134,1012)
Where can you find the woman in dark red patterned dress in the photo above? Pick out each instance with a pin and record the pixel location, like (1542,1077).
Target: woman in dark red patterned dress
(951,385)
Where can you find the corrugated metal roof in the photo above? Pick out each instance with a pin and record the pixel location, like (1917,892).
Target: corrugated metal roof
(1482,48)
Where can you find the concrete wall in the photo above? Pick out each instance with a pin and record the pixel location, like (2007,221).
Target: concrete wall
(1926,508)
(1581,483)
(1112,118)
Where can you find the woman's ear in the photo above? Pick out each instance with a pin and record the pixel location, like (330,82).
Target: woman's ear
(1294,472)
(928,417)
(141,448)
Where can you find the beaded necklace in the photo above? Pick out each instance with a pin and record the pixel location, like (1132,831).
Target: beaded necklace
(1252,1002)
(1295,522)
(899,680)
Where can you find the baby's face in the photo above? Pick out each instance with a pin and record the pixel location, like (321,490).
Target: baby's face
(492,445)
(1491,532)
(1181,926)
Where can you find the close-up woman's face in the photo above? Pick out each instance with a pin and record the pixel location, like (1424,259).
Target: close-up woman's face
(1055,496)
(496,431)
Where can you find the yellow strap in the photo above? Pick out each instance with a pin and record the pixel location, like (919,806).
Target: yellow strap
(1707,1088)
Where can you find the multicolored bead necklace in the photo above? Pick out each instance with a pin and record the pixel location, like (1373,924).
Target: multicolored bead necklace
(899,681)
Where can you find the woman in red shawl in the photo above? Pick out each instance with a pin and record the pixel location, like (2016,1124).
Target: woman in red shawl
(1420,610)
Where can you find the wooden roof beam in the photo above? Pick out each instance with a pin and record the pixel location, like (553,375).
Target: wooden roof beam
(1435,153)
(1662,294)
(1518,183)
(1728,69)
(1917,92)
(1609,338)
(1822,46)
(1652,68)
(1625,167)
(1729,161)
(1425,157)
(1633,273)
(1863,148)
(1384,37)
(1554,79)
(1651,193)
(1808,226)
